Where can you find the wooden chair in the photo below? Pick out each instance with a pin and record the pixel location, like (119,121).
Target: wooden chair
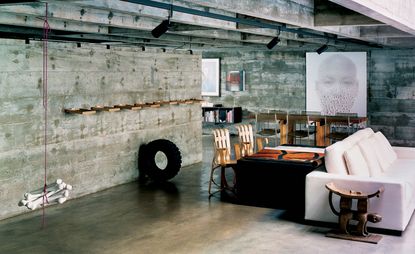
(302,127)
(340,126)
(222,159)
(246,140)
(266,125)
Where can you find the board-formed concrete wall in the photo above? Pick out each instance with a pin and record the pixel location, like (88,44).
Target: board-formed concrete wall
(391,102)
(97,151)
(276,80)
(273,80)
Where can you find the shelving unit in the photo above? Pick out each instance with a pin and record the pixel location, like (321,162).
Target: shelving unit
(219,115)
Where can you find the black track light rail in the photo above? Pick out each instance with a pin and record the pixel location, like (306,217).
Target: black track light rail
(255,23)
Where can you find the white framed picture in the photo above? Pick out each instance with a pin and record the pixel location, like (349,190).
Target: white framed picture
(336,82)
(211,77)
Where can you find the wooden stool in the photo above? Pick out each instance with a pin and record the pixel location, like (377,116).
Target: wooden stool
(361,215)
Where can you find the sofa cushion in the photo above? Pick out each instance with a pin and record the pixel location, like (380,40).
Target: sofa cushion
(334,160)
(367,148)
(384,151)
(356,163)
(356,137)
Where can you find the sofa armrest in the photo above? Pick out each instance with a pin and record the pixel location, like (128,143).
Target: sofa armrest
(390,205)
(404,152)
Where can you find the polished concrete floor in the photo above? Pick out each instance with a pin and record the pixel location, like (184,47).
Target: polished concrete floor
(176,217)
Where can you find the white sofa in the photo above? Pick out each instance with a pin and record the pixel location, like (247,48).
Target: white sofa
(365,161)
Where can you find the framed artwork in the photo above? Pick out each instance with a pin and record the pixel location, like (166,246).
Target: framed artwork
(235,81)
(336,82)
(210,77)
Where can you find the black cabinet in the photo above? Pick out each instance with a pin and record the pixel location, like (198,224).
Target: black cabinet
(222,114)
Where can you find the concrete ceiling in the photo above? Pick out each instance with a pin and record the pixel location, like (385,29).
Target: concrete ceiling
(304,25)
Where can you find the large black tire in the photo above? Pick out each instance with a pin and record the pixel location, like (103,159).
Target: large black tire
(147,160)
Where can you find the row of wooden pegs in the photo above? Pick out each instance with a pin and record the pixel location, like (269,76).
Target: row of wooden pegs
(136,106)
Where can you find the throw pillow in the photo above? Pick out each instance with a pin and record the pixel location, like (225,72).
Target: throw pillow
(333,159)
(356,163)
(367,147)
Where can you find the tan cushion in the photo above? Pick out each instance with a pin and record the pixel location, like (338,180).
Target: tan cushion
(356,163)
(334,160)
(384,151)
(367,148)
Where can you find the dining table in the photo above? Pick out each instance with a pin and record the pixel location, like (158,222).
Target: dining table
(322,124)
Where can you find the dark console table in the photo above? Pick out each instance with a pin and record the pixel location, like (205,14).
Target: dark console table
(273,183)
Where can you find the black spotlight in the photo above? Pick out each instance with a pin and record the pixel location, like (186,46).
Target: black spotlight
(322,49)
(273,42)
(161,29)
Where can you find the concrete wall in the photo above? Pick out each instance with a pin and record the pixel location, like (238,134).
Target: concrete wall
(276,80)
(391,103)
(273,80)
(98,151)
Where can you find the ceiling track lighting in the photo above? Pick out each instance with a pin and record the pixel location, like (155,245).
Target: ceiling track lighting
(275,40)
(164,25)
(323,48)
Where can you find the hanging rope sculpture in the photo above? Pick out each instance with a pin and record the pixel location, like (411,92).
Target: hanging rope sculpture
(56,192)
(46,30)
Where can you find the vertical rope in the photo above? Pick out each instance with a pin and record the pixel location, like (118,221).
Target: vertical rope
(46,30)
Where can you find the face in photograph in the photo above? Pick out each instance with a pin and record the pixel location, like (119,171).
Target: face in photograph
(337,85)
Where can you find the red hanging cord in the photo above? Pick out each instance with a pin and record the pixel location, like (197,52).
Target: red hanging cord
(46,30)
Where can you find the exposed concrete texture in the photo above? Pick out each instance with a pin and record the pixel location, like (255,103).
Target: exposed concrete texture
(391,103)
(293,12)
(276,80)
(98,151)
(398,13)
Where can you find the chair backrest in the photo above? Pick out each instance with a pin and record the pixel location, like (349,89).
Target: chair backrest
(246,138)
(222,141)
(346,114)
(311,113)
(298,118)
(266,124)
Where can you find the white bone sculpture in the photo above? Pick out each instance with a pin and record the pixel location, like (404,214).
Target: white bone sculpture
(57,192)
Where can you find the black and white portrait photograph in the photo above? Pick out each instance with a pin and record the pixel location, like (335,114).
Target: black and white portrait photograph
(336,82)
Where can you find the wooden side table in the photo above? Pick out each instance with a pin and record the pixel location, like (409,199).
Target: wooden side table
(361,215)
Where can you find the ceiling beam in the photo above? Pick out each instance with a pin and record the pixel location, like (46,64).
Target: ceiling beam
(292,12)
(329,14)
(398,13)
(383,32)
(249,22)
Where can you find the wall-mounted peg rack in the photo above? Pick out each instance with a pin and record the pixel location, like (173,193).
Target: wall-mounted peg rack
(105,108)
(81,111)
(128,106)
(136,106)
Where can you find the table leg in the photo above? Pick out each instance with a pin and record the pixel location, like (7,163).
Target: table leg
(283,132)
